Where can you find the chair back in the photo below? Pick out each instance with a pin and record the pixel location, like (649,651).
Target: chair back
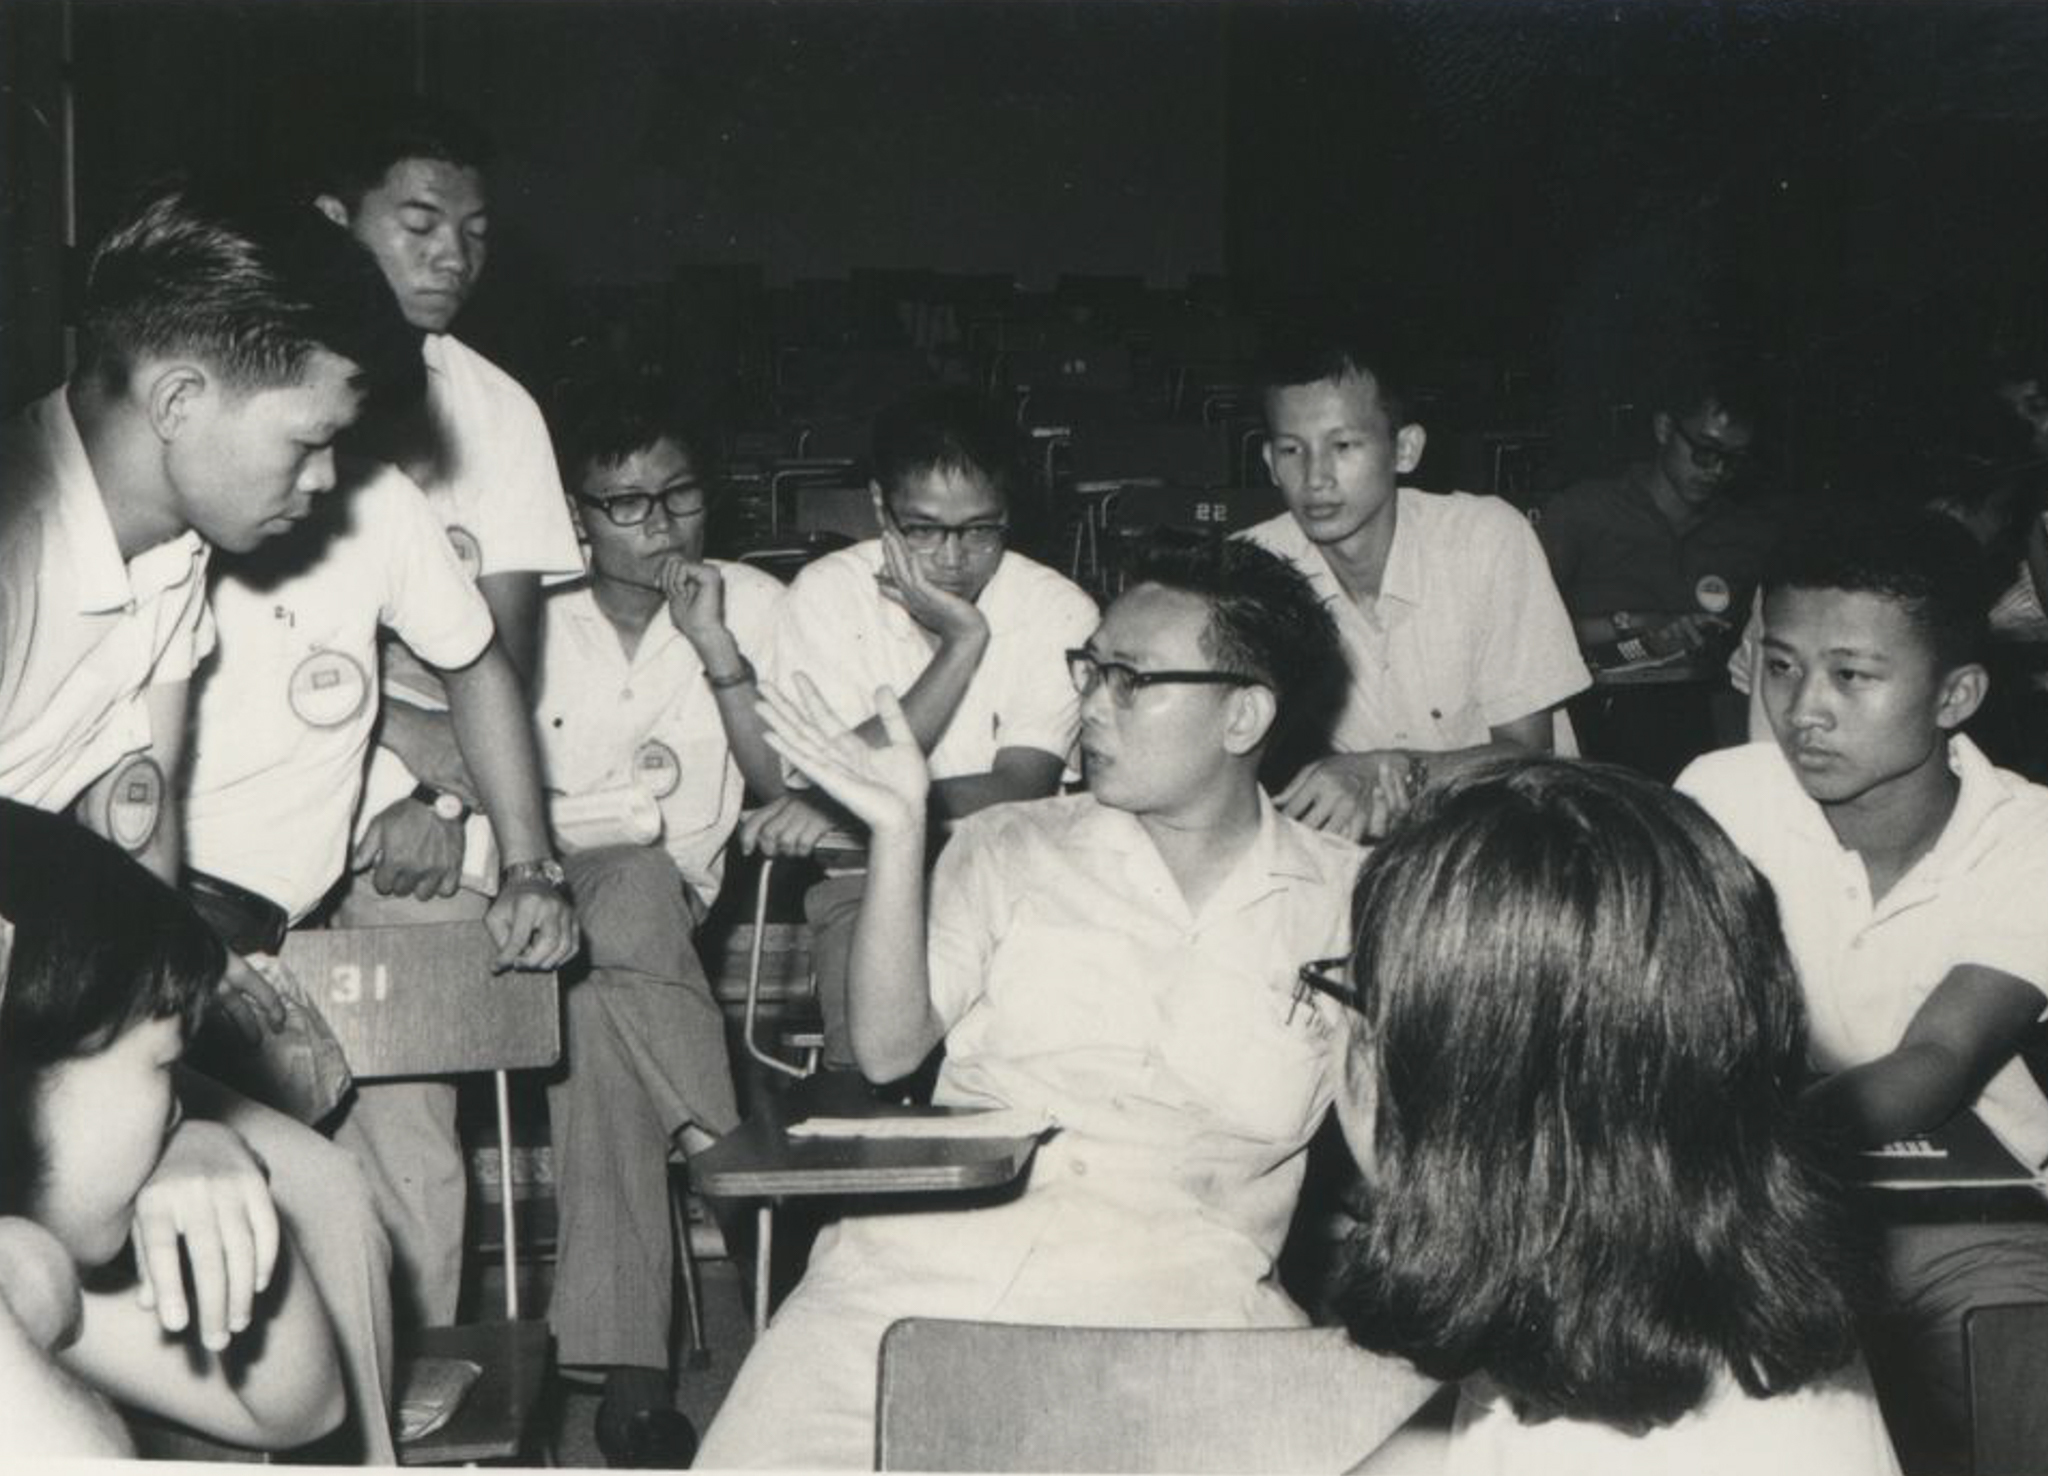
(1218,510)
(847,509)
(981,1396)
(422,1001)
(2005,1350)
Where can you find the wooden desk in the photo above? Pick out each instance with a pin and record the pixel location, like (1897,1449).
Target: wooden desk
(1961,1173)
(760,1160)
(1659,674)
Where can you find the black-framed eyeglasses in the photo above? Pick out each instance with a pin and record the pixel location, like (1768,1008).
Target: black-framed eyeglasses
(975,538)
(1325,976)
(1709,457)
(631,509)
(1088,672)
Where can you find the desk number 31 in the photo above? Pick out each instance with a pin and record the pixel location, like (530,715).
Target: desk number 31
(348,983)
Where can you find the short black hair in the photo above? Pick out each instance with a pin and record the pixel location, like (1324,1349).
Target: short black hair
(1265,621)
(602,421)
(355,161)
(250,283)
(949,430)
(100,945)
(1694,381)
(1590,1183)
(1302,355)
(1925,562)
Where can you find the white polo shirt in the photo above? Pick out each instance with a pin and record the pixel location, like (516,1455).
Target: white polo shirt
(83,633)
(1468,631)
(1980,896)
(607,720)
(287,707)
(491,480)
(838,629)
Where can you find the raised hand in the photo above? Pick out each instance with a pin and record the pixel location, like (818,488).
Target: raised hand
(696,597)
(883,785)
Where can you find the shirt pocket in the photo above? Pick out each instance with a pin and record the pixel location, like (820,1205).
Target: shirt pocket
(1241,1050)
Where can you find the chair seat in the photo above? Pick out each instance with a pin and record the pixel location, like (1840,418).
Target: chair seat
(495,1416)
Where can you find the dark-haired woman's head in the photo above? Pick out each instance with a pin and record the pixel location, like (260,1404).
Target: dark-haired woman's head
(107,974)
(1571,1086)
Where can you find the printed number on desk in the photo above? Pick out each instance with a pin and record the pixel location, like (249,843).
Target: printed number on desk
(346,985)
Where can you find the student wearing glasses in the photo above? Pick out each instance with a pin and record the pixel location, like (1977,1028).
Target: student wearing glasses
(1661,560)
(968,634)
(1122,960)
(647,700)
(1575,1051)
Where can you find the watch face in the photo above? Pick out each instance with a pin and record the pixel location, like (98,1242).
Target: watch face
(448,806)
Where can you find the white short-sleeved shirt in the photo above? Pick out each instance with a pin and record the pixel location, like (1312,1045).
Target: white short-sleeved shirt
(1468,631)
(83,632)
(1072,978)
(1830,1428)
(607,720)
(287,707)
(838,629)
(1980,896)
(491,479)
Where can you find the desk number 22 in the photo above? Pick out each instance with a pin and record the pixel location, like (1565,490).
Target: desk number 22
(348,983)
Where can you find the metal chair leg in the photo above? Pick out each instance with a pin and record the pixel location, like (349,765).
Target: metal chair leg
(697,1351)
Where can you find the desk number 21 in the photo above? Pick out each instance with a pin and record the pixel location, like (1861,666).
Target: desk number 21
(348,983)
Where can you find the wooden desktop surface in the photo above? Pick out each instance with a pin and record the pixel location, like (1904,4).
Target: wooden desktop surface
(760,1159)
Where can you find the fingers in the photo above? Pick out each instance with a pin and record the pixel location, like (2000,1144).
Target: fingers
(498,922)
(156,1255)
(369,850)
(206,1254)
(245,979)
(894,722)
(266,1238)
(240,1013)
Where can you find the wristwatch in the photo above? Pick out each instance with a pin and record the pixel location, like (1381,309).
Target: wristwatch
(443,802)
(546,870)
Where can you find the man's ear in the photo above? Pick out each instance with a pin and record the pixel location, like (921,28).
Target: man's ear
(169,395)
(1962,693)
(1408,443)
(331,207)
(1660,426)
(1266,455)
(1249,718)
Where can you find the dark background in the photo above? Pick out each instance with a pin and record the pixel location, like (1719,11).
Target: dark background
(1852,190)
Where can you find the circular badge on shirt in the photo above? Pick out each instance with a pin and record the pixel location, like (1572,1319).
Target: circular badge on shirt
(328,689)
(657,769)
(467,549)
(1713,594)
(137,803)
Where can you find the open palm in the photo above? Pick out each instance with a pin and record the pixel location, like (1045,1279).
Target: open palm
(884,785)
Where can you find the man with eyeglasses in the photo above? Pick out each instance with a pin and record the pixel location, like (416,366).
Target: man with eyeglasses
(650,733)
(967,633)
(1660,561)
(1659,565)
(1122,961)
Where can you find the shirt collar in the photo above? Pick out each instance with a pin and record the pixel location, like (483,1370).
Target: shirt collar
(1978,798)
(1402,579)
(1280,851)
(99,575)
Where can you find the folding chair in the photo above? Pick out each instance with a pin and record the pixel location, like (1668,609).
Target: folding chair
(2005,1352)
(987,1396)
(422,1001)
(846,509)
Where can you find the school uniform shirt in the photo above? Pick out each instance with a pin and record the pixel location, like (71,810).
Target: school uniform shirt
(838,629)
(491,479)
(84,633)
(1866,968)
(1074,980)
(1611,548)
(1467,633)
(286,709)
(651,719)
(1831,1427)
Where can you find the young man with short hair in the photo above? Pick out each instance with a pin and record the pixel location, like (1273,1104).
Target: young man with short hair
(224,349)
(647,704)
(410,186)
(1457,643)
(1123,961)
(967,633)
(1910,875)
